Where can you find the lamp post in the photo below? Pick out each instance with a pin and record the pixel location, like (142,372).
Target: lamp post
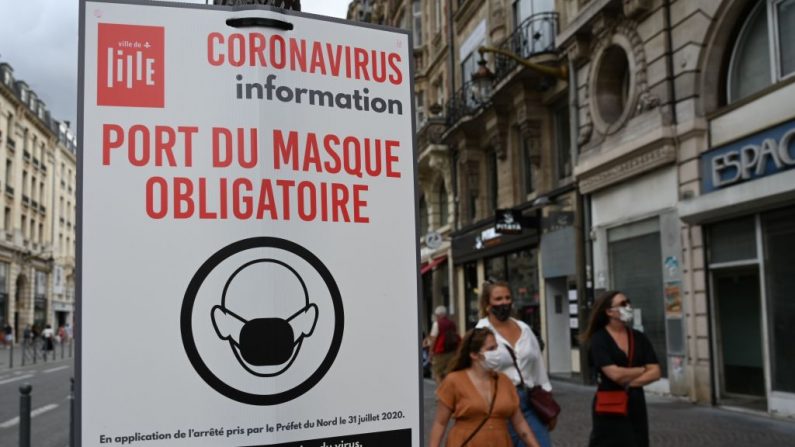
(482,80)
(559,72)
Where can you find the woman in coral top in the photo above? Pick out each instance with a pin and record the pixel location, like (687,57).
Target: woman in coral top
(481,400)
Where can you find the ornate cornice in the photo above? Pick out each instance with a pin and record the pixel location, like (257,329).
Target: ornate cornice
(636,164)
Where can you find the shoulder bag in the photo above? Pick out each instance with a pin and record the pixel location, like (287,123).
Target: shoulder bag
(539,399)
(488,415)
(616,402)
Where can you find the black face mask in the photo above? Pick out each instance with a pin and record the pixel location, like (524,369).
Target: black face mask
(266,341)
(502,311)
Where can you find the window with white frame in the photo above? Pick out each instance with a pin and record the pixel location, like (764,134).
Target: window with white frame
(420,101)
(437,15)
(416,12)
(764,52)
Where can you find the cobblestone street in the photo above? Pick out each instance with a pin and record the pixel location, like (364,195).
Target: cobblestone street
(671,422)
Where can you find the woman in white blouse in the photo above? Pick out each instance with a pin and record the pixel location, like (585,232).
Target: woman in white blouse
(495,310)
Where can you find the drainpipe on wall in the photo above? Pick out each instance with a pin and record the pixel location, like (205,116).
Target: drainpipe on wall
(583,225)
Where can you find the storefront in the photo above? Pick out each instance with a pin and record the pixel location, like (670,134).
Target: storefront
(747,212)
(482,254)
(637,250)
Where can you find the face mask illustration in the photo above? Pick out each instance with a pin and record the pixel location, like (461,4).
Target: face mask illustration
(265,346)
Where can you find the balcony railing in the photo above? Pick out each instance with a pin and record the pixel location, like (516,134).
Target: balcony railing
(534,36)
(25,200)
(12,144)
(10,190)
(26,155)
(34,204)
(464,102)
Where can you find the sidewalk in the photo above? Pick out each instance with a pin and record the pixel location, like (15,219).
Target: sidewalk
(671,422)
(56,354)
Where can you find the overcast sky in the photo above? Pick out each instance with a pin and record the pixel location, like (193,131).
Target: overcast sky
(39,39)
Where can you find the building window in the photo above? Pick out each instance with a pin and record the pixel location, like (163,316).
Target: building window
(494,195)
(473,186)
(562,140)
(420,99)
(763,54)
(779,246)
(612,84)
(444,205)
(416,10)
(5,317)
(423,216)
(7,219)
(527,165)
(9,172)
(437,15)
(23,223)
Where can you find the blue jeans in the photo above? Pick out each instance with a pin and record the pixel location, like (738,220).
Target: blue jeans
(539,429)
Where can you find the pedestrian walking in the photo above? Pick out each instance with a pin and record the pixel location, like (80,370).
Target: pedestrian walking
(624,361)
(518,356)
(48,335)
(8,334)
(27,335)
(480,399)
(443,340)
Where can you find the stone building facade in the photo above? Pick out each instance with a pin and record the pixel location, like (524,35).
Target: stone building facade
(684,141)
(655,157)
(37,247)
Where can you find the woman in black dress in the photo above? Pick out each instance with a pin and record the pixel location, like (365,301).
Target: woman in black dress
(611,339)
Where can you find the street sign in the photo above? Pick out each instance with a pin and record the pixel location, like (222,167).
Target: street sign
(248,242)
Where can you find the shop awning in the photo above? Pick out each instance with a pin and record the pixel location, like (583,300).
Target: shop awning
(427,267)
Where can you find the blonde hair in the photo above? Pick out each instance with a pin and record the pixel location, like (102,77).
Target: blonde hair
(485,295)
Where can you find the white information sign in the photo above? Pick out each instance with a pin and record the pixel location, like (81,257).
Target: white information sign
(248,255)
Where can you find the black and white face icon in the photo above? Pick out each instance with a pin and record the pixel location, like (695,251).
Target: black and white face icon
(262,321)
(264,346)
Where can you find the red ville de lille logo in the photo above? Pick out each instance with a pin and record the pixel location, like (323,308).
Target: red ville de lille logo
(131,66)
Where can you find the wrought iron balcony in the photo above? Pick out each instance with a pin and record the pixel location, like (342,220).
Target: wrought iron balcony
(34,204)
(25,200)
(465,101)
(534,36)
(26,155)
(10,190)
(12,144)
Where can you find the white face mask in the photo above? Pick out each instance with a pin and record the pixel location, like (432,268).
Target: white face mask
(491,360)
(625,314)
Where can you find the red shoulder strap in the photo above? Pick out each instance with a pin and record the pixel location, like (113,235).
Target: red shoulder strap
(631,334)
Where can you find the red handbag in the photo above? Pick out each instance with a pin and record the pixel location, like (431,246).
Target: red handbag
(615,402)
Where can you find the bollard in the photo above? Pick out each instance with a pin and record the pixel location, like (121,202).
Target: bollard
(62,348)
(11,355)
(24,415)
(72,413)
(24,351)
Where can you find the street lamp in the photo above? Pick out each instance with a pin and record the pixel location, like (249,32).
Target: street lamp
(559,72)
(482,80)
